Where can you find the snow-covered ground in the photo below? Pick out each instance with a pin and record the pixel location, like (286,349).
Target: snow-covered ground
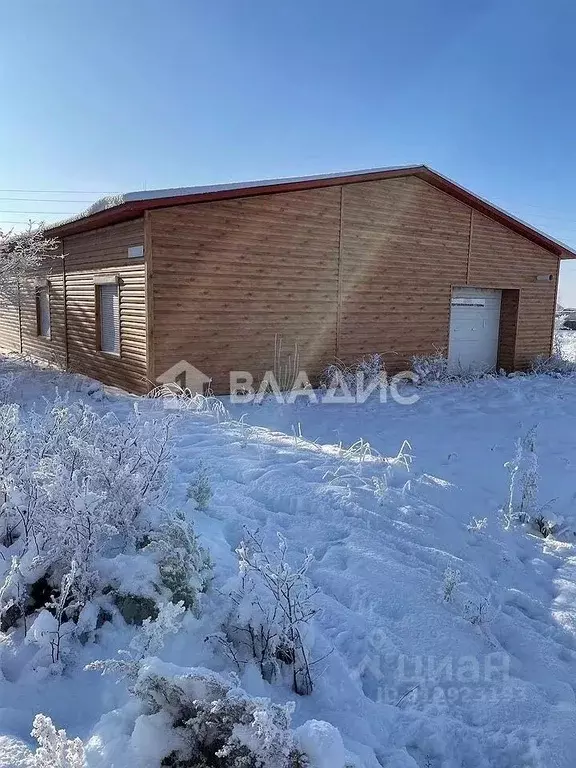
(411,679)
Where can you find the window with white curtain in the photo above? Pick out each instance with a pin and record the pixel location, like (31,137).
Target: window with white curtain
(109,311)
(43,311)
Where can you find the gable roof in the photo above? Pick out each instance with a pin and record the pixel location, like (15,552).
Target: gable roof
(118,208)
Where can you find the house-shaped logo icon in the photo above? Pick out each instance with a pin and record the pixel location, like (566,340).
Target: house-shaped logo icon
(185,376)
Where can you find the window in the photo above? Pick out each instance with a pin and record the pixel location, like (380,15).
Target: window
(136,252)
(43,311)
(108,318)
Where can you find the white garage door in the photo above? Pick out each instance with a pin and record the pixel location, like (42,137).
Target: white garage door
(474,329)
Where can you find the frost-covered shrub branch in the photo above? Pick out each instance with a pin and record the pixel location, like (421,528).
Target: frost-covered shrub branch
(214,723)
(21,253)
(80,507)
(274,606)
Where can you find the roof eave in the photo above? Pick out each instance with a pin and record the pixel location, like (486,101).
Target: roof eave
(133,209)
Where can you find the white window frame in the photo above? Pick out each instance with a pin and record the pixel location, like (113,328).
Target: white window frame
(43,312)
(135,251)
(104,292)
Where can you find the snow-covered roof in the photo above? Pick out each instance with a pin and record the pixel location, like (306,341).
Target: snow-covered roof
(112,201)
(129,205)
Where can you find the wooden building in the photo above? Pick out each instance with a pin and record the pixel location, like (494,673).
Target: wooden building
(399,261)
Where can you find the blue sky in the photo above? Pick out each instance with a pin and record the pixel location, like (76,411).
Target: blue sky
(118,95)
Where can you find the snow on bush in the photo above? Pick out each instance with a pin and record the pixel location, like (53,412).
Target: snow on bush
(218,724)
(80,529)
(523,483)
(200,490)
(350,379)
(184,566)
(21,253)
(149,641)
(554,365)
(451,579)
(52,627)
(55,749)
(274,606)
(430,368)
(174,397)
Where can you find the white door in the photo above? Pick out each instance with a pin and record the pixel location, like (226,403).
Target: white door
(474,329)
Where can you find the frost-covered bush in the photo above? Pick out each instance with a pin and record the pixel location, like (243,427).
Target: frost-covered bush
(13,596)
(431,368)
(77,488)
(523,483)
(479,612)
(544,525)
(176,398)
(360,375)
(554,365)
(184,566)
(217,724)
(477,525)
(274,606)
(451,579)
(73,483)
(435,368)
(200,489)
(55,749)
(23,252)
(149,641)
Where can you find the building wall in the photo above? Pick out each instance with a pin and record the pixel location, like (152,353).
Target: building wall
(10,318)
(341,272)
(404,243)
(499,258)
(344,271)
(53,349)
(105,252)
(229,276)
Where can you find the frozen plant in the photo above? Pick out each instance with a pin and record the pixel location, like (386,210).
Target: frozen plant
(24,252)
(523,483)
(217,724)
(73,486)
(452,578)
(477,525)
(364,375)
(478,612)
(149,641)
(557,364)
(285,370)
(151,637)
(185,567)
(61,608)
(431,368)
(200,489)
(178,398)
(55,749)
(380,488)
(544,526)
(13,595)
(274,608)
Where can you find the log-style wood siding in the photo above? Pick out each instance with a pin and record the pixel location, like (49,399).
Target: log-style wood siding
(10,340)
(73,331)
(342,271)
(89,256)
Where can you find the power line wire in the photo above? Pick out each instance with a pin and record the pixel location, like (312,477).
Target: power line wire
(43,213)
(57,192)
(40,200)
